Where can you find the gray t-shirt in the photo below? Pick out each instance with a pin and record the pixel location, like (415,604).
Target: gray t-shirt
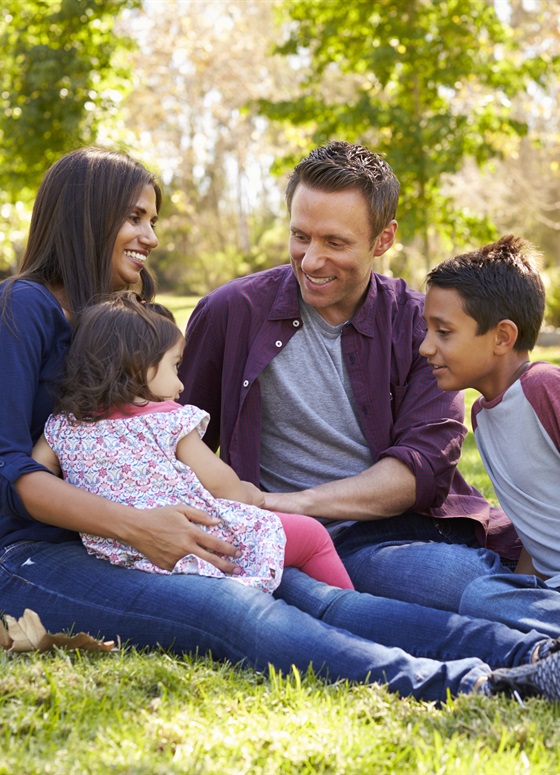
(310,432)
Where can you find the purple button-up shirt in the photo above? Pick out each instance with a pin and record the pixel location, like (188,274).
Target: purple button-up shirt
(236,330)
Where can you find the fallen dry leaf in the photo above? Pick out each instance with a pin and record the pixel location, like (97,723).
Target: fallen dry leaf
(28,634)
(5,640)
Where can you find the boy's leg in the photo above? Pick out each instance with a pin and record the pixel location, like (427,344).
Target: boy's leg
(309,547)
(520,601)
(418,630)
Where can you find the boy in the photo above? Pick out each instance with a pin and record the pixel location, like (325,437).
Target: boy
(483,312)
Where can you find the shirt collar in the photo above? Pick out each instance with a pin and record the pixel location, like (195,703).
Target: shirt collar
(286,303)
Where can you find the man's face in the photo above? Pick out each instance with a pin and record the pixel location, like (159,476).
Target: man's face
(460,358)
(331,249)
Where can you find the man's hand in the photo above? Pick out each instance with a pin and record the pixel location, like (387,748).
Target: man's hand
(255,497)
(384,490)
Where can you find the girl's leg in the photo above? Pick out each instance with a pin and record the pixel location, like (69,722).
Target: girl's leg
(309,547)
(189,613)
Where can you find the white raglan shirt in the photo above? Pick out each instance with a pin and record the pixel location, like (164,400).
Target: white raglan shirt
(518,437)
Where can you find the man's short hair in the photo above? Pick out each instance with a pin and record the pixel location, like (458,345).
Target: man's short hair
(339,166)
(500,281)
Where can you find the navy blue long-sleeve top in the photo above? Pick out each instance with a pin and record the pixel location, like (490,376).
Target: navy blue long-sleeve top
(34,340)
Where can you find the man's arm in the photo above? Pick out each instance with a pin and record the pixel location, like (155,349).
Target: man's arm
(201,370)
(384,490)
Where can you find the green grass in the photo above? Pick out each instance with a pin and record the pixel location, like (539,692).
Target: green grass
(158,714)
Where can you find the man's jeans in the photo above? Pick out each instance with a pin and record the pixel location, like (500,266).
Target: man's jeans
(416,559)
(189,613)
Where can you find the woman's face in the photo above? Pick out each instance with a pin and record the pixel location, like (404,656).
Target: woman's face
(135,240)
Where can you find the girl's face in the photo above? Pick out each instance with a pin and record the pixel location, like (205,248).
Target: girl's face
(163,381)
(135,240)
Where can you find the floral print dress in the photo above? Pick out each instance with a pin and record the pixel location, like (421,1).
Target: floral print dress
(130,458)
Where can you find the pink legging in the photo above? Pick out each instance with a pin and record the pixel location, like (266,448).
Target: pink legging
(309,547)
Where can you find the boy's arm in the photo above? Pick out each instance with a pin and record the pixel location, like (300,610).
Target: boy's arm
(217,477)
(45,455)
(525,564)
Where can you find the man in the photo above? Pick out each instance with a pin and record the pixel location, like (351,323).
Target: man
(318,395)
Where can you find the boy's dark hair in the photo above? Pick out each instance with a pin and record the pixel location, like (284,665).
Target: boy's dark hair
(339,166)
(114,345)
(500,281)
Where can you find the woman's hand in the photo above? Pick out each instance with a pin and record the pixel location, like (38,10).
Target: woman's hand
(167,533)
(164,534)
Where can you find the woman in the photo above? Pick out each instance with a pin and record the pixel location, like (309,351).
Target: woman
(91,233)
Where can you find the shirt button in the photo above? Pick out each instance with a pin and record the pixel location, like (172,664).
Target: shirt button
(278,343)
(295,323)
(245,383)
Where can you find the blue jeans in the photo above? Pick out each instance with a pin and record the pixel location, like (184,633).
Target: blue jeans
(523,602)
(188,613)
(416,559)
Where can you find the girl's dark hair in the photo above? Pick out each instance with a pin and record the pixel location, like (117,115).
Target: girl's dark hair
(114,345)
(81,204)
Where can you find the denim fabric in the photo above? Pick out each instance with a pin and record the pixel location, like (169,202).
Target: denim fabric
(520,601)
(416,559)
(421,631)
(188,613)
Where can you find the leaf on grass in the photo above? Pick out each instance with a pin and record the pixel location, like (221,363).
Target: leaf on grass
(28,634)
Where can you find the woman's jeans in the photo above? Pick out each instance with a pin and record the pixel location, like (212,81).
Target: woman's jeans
(195,614)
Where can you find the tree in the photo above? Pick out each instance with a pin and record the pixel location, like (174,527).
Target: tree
(59,79)
(429,84)
(197,68)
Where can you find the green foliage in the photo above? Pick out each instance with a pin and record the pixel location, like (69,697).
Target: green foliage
(429,84)
(59,79)
(552,312)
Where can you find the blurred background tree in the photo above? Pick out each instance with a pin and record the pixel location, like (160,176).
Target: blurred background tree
(221,98)
(60,79)
(433,86)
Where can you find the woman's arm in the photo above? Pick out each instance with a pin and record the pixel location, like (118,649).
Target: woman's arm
(217,477)
(163,534)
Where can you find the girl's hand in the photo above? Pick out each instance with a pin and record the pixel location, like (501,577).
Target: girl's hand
(167,533)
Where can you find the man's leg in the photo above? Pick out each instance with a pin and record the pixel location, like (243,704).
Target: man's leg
(416,559)
(421,631)
(520,601)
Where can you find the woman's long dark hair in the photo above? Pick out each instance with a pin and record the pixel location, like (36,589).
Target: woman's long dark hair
(114,345)
(81,205)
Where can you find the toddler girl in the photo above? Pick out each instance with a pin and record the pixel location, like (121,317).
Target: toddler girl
(118,432)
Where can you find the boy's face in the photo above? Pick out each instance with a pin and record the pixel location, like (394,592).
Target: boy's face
(458,356)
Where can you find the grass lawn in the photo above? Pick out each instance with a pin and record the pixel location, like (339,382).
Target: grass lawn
(155,714)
